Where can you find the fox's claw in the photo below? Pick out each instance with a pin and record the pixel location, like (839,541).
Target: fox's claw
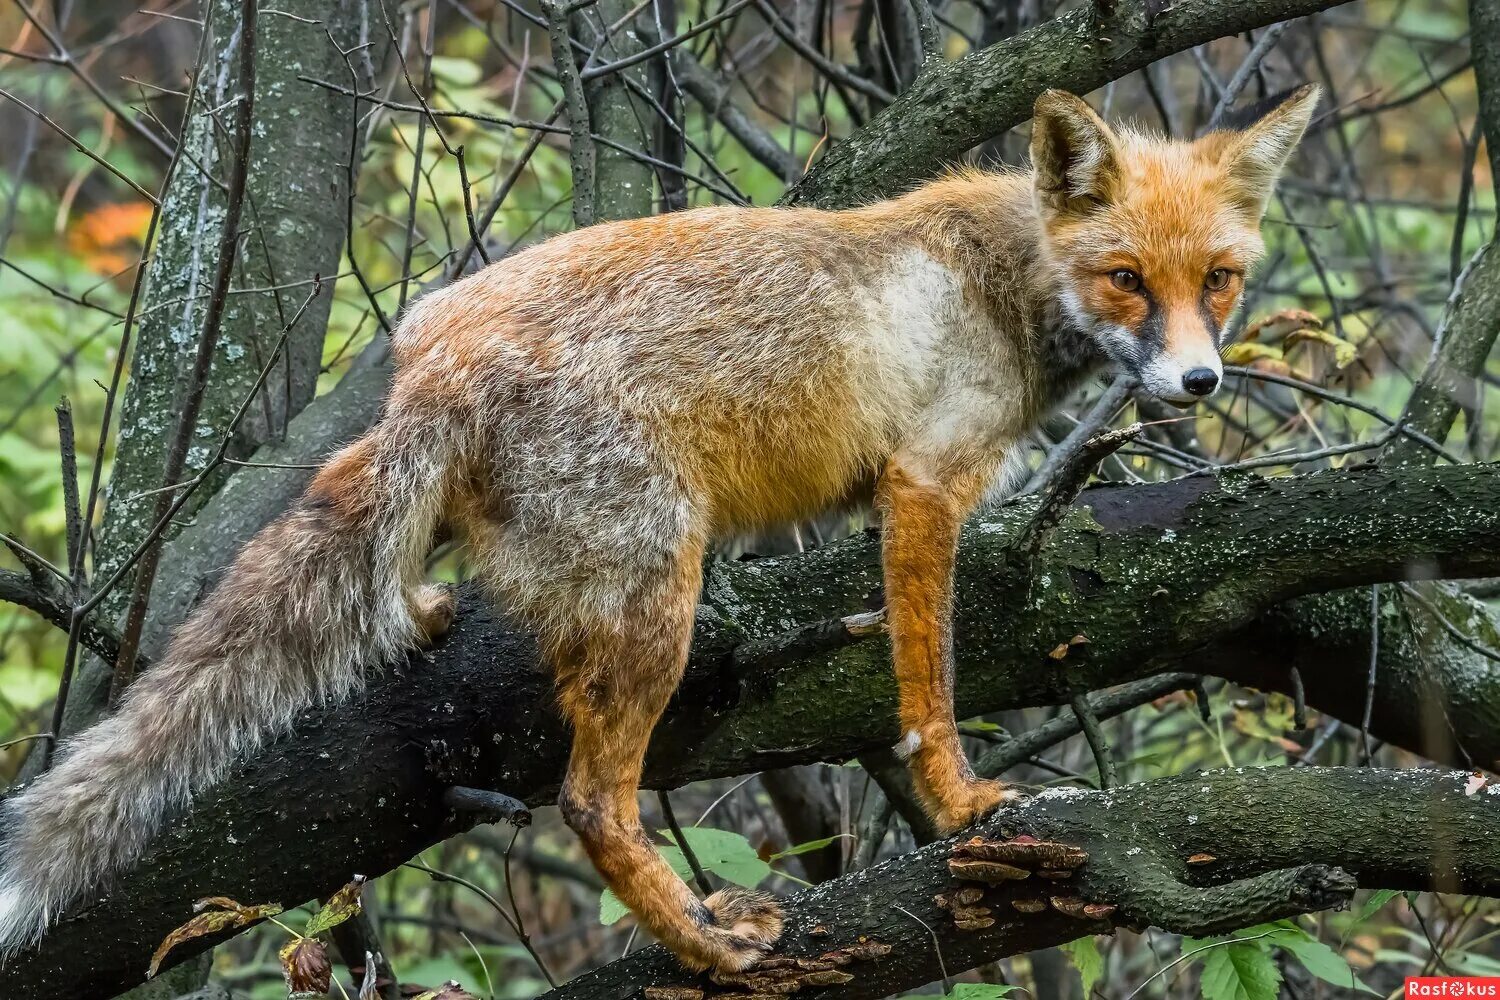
(746,925)
(977,799)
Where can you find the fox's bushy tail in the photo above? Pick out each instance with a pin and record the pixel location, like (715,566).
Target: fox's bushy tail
(312,601)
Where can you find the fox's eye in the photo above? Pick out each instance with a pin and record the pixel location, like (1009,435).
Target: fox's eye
(1217,280)
(1125,281)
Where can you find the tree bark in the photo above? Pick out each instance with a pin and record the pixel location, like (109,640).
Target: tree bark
(777,680)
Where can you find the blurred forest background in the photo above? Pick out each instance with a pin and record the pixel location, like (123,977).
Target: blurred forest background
(460,128)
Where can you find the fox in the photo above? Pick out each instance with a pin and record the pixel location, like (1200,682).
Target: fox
(591,414)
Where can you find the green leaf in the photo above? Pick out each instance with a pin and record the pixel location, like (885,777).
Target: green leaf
(811,845)
(1323,962)
(726,854)
(1084,954)
(674,857)
(1470,964)
(611,910)
(459,72)
(1240,970)
(1375,902)
(1316,957)
(340,907)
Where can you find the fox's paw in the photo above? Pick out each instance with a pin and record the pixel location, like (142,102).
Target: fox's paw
(433,608)
(971,801)
(746,925)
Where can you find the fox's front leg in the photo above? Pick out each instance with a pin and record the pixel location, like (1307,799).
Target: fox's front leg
(924,499)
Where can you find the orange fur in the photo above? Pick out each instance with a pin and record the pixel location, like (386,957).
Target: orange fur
(922,513)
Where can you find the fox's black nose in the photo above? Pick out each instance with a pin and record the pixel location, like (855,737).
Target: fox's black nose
(1200,381)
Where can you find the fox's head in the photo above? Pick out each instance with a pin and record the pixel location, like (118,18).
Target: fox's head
(1150,239)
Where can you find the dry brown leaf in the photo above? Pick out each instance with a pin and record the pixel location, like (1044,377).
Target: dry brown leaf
(304,963)
(1278,325)
(215,914)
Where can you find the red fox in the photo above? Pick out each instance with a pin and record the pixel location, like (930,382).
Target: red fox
(592,413)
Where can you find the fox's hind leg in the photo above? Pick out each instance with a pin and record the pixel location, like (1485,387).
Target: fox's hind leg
(613,685)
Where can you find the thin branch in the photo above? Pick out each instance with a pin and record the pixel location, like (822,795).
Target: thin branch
(80,146)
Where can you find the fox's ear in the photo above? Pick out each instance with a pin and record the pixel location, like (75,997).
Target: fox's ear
(1075,154)
(1255,153)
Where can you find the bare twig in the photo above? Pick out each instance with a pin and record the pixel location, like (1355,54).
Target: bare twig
(699,876)
(1097,742)
(80,146)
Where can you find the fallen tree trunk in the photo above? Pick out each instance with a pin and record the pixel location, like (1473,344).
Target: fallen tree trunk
(1267,844)
(1152,575)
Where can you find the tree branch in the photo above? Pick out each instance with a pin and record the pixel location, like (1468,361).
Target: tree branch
(25,592)
(1206,557)
(954,106)
(1266,844)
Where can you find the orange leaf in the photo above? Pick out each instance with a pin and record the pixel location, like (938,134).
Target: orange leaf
(108,238)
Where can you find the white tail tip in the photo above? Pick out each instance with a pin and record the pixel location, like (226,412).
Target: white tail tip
(23,917)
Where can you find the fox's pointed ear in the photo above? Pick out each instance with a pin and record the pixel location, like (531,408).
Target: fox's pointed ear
(1075,154)
(1256,152)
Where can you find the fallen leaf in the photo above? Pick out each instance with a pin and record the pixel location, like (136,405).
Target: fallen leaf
(1059,651)
(215,914)
(1476,781)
